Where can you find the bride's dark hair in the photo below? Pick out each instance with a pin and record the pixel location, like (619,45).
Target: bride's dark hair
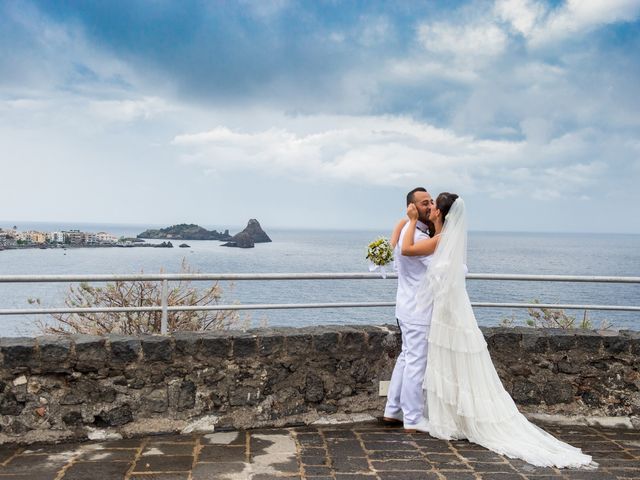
(444,202)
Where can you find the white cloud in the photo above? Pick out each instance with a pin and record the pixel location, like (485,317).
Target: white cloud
(484,33)
(557,182)
(483,39)
(459,49)
(545,183)
(373,150)
(397,151)
(337,37)
(129,110)
(522,15)
(582,15)
(536,130)
(24,104)
(416,70)
(542,25)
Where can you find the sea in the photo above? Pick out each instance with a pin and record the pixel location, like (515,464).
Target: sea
(306,251)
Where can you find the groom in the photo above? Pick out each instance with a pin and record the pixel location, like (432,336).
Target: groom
(405,400)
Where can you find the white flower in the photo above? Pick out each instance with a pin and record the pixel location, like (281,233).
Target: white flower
(380,252)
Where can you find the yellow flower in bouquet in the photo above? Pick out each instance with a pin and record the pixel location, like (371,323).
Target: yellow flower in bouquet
(380,252)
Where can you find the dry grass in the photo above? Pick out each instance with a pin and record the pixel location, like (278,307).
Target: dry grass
(139,293)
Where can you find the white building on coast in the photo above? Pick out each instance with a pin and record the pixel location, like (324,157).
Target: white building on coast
(74,237)
(104,237)
(55,237)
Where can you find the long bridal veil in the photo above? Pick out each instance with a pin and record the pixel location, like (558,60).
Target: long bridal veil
(465,397)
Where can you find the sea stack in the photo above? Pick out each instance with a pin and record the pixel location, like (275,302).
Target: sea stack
(255,231)
(248,237)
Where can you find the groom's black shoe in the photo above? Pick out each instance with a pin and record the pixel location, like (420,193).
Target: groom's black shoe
(390,421)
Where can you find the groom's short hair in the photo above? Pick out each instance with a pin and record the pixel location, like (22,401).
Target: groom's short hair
(410,194)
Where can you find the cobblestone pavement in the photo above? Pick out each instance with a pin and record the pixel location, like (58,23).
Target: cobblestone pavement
(365,451)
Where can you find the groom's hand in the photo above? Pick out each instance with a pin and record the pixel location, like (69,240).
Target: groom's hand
(412,212)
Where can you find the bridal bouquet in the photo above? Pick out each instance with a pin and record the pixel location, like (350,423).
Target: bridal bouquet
(379,254)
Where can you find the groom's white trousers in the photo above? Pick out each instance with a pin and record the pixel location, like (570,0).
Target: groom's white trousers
(405,389)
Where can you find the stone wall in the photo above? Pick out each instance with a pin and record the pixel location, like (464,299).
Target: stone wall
(566,372)
(54,388)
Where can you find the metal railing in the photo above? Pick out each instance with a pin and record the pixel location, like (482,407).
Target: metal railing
(165,278)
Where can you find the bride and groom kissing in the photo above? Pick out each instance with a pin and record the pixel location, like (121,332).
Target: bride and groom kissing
(444,382)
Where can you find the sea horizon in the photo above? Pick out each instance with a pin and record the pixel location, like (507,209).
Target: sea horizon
(34,224)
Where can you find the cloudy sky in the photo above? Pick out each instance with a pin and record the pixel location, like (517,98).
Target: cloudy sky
(321,114)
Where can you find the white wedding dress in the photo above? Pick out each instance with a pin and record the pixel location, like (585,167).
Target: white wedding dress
(464,395)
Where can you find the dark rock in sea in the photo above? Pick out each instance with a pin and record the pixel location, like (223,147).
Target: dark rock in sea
(241,240)
(255,231)
(248,237)
(164,245)
(184,245)
(185,232)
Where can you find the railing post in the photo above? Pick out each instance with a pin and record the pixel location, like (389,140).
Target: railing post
(165,313)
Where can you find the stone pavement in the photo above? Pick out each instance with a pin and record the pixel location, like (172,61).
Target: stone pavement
(364,451)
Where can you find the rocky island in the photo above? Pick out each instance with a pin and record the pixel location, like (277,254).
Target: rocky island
(185,231)
(248,237)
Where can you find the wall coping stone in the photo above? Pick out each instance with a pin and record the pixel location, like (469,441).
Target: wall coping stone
(24,353)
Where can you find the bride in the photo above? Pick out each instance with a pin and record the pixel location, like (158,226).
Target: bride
(464,395)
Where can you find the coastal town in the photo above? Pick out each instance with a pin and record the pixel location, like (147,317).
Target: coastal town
(12,238)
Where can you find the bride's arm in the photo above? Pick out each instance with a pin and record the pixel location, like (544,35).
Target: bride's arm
(396,232)
(423,247)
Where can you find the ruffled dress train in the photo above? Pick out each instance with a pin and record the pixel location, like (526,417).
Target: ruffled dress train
(466,398)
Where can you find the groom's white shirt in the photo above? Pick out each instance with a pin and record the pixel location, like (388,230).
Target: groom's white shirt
(411,271)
